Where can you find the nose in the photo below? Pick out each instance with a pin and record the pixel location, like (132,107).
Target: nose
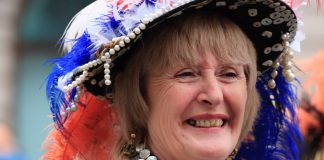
(211,93)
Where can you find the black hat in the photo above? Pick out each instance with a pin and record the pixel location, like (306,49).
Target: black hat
(105,30)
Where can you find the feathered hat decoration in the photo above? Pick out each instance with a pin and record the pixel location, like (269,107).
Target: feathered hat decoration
(103,32)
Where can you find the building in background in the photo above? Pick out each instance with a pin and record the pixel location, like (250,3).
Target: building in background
(29,31)
(9,16)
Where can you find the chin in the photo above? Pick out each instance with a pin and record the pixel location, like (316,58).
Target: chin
(211,151)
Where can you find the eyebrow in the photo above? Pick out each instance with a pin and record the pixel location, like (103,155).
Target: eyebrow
(223,65)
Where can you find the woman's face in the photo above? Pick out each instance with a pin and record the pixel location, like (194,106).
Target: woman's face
(196,111)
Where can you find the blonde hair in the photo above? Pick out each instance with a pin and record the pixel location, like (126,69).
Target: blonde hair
(177,41)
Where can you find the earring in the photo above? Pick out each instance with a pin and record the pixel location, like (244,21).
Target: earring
(129,149)
(232,155)
(287,63)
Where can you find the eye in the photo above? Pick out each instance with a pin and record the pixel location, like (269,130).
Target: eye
(187,75)
(230,75)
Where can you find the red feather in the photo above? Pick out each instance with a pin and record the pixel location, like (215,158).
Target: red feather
(314,82)
(89,132)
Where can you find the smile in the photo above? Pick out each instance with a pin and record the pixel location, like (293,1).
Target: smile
(206,123)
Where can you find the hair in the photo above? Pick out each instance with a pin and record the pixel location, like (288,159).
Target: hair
(175,41)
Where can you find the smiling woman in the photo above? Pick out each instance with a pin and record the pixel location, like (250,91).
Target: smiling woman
(188,87)
(192,80)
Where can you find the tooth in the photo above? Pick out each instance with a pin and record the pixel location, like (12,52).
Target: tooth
(219,122)
(207,123)
(213,122)
(197,123)
(201,123)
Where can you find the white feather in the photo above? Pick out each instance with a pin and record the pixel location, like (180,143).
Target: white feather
(82,21)
(92,17)
(63,81)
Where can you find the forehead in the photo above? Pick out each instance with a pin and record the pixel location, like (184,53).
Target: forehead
(209,59)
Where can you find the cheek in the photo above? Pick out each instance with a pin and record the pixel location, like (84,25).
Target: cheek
(236,99)
(169,102)
(167,105)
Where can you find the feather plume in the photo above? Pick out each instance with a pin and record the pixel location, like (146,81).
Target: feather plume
(79,55)
(276,134)
(95,25)
(314,82)
(80,22)
(89,133)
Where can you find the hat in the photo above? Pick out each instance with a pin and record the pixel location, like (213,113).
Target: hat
(105,30)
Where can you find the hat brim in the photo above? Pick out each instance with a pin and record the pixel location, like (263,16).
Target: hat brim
(263,21)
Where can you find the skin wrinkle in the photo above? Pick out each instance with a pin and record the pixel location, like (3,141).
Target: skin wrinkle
(163,84)
(240,78)
(226,107)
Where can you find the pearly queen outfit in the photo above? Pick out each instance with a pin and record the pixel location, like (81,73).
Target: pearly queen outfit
(105,30)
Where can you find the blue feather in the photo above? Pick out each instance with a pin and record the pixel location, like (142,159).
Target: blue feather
(79,55)
(110,27)
(150,2)
(275,130)
(116,26)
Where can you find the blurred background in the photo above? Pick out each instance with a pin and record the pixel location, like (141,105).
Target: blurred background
(29,30)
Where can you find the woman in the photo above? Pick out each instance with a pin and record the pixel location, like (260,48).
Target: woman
(181,76)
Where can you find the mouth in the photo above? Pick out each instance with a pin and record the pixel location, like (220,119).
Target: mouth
(204,123)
